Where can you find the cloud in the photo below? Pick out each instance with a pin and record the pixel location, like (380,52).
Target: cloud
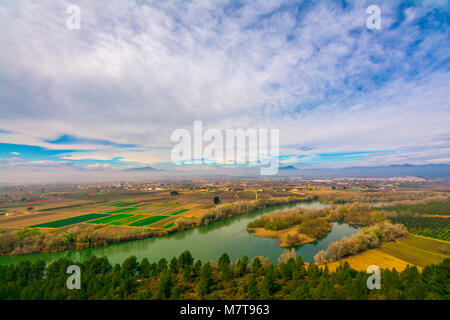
(137,70)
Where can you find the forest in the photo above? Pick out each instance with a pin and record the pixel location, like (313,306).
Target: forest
(185,278)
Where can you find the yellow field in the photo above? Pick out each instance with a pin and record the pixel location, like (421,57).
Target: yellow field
(411,250)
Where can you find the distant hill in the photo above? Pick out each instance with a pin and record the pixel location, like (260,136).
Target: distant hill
(422,171)
(288,168)
(143,169)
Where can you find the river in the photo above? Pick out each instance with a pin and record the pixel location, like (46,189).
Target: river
(205,243)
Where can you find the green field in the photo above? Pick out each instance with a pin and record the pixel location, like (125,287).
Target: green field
(111,218)
(417,251)
(141,205)
(433,227)
(22,205)
(147,221)
(123,204)
(433,208)
(178,212)
(170,225)
(123,210)
(133,217)
(69,221)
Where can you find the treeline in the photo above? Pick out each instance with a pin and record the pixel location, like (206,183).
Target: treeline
(28,240)
(310,220)
(430,206)
(337,196)
(184,278)
(369,238)
(227,210)
(25,241)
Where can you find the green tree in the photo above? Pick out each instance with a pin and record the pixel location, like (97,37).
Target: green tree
(164,285)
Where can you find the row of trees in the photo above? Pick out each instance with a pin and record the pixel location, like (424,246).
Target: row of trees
(382,195)
(185,278)
(369,238)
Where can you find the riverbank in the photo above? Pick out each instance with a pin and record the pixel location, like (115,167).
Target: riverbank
(410,250)
(287,237)
(84,236)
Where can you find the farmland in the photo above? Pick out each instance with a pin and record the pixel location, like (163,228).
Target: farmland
(147,221)
(432,208)
(110,218)
(70,221)
(411,250)
(433,227)
(127,220)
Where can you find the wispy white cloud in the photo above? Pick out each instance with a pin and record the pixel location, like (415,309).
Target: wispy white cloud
(138,70)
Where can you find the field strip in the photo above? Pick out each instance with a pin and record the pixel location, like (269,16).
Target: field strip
(178,212)
(148,221)
(127,220)
(428,238)
(370,257)
(70,221)
(123,204)
(111,218)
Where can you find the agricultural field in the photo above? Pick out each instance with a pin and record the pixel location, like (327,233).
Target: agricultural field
(136,206)
(410,250)
(123,204)
(110,219)
(125,221)
(178,212)
(433,227)
(433,208)
(70,221)
(147,221)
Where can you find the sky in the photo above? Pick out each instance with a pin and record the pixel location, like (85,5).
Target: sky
(99,100)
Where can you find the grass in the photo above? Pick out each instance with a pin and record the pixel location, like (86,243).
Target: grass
(170,225)
(410,250)
(433,227)
(123,210)
(69,221)
(432,208)
(27,232)
(111,218)
(147,221)
(141,205)
(22,205)
(417,251)
(123,204)
(178,212)
(128,220)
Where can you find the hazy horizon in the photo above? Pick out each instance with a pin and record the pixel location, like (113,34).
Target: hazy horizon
(91,103)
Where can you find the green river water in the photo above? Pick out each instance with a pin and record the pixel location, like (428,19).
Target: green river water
(205,243)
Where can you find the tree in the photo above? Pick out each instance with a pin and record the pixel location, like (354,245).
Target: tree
(174,193)
(224,265)
(185,259)
(269,284)
(205,279)
(130,266)
(242,266)
(144,268)
(173,266)
(162,265)
(252,289)
(164,285)
(216,200)
(256,265)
